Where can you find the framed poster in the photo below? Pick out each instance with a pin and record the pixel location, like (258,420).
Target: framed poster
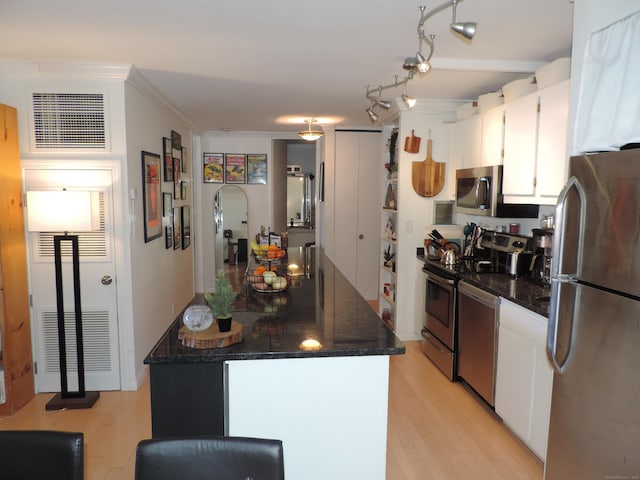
(177,228)
(184,189)
(185,160)
(176,169)
(235,167)
(257,168)
(167,159)
(186,226)
(167,213)
(177,189)
(213,167)
(176,140)
(151,198)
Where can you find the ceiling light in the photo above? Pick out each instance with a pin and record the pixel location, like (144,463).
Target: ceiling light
(372,114)
(384,104)
(466,29)
(311,134)
(409,63)
(423,65)
(408,100)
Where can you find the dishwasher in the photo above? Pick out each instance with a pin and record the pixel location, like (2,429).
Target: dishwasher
(478,339)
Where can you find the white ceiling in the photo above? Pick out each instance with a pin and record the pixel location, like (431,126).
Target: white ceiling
(247,64)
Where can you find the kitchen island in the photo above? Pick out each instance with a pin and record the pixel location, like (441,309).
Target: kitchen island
(327,403)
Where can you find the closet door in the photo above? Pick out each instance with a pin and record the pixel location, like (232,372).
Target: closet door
(356,209)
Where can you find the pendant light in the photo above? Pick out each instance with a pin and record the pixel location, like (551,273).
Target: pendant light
(310,134)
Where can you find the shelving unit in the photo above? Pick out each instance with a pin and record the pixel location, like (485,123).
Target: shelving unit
(388,228)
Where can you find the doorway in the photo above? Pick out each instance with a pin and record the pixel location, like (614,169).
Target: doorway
(99,299)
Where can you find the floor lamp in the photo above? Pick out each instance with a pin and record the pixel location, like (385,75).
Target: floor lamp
(65,211)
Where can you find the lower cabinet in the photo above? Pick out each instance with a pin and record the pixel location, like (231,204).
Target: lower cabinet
(524,377)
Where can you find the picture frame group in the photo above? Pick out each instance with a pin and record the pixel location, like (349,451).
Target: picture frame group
(235,168)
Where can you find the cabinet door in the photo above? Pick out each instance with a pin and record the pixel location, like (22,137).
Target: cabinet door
(492,136)
(552,144)
(466,143)
(356,216)
(520,137)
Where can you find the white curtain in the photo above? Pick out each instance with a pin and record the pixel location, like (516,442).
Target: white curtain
(608,112)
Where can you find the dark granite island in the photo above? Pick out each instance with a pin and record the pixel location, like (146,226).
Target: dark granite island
(328,405)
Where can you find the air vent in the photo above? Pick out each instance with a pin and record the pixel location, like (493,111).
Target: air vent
(442,212)
(69,121)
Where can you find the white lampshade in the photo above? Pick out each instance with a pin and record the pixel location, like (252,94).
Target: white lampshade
(62,211)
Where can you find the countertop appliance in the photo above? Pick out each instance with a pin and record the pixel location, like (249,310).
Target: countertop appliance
(593,339)
(478,339)
(479,192)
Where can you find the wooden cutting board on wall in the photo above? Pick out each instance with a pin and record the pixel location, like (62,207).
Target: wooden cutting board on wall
(427,177)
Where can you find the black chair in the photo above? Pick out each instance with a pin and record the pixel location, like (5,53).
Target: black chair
(41,454)
(209,458)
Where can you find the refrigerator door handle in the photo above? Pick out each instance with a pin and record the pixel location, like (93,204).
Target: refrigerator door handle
(558,277)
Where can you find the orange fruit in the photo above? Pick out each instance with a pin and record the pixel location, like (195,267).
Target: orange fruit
(260,270)
(274,268)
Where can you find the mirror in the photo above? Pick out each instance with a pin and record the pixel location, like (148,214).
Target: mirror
(300,200)
(230,212)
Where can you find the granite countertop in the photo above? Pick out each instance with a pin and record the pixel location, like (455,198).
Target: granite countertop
(319,303)
(519,290)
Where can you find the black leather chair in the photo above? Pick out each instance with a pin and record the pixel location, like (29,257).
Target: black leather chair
(41,454)
(209,458)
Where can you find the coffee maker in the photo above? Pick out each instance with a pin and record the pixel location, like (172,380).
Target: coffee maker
(540,268)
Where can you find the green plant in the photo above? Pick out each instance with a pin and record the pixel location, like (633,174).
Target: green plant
(221,300)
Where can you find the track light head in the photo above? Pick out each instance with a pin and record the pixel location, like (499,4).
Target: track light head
(372,115)
(422,63)
(410,64)
(383,103)
(466,29)
(408,100)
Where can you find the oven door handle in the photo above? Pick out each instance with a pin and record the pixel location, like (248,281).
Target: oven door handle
(443,282)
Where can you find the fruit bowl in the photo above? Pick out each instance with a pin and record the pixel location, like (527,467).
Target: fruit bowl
(271,283)
(270,253)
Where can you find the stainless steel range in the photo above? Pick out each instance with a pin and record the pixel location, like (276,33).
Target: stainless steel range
(440,335)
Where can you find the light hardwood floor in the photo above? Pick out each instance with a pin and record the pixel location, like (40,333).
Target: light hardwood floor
(437,429)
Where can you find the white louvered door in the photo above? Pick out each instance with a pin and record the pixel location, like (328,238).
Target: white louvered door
(99,300)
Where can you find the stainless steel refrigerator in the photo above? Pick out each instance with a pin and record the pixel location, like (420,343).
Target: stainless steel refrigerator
(594,321)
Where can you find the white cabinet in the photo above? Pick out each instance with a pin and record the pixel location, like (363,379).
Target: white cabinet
(493,136)
(535,145)
(524,378)
(466,143)
(356,217)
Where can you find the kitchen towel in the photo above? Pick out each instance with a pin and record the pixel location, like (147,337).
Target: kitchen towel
(608,112)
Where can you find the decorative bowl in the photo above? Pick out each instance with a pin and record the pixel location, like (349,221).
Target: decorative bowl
(197,318)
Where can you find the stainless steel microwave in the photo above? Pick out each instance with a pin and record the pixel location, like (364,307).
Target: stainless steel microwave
(479,192)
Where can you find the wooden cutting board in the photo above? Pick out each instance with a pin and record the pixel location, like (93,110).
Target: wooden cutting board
(427,177)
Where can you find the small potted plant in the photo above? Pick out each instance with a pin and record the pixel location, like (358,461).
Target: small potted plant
(221,300)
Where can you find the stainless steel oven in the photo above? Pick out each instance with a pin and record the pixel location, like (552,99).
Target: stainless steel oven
(439,332)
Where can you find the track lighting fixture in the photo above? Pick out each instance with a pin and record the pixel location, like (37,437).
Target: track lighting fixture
(419,63)
(311,134)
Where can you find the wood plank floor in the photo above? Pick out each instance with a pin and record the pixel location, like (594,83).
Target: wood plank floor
(437,429)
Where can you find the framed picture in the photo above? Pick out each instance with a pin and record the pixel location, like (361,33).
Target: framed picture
(213,167)
(257,168)
(177,190)
(321,182)
(184,189)
(177,228)
(176,140)
(185,160)
(167,159)
(167,213)
(186,226)
(235,168)
(151,170)
(176,169)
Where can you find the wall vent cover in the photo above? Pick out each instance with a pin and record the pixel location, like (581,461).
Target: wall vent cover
(69,121)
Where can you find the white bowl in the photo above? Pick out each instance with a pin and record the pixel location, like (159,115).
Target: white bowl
(466,110)
(553,72)
(489,100)
(518,88)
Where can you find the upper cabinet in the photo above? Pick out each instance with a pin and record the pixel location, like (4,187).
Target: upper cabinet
(528,136)
(535,146)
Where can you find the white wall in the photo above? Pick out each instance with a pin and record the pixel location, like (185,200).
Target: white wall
(161,280)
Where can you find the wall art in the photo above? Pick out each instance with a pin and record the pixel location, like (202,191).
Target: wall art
(257,168)
(235,167)
(151,198)
(213,167)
